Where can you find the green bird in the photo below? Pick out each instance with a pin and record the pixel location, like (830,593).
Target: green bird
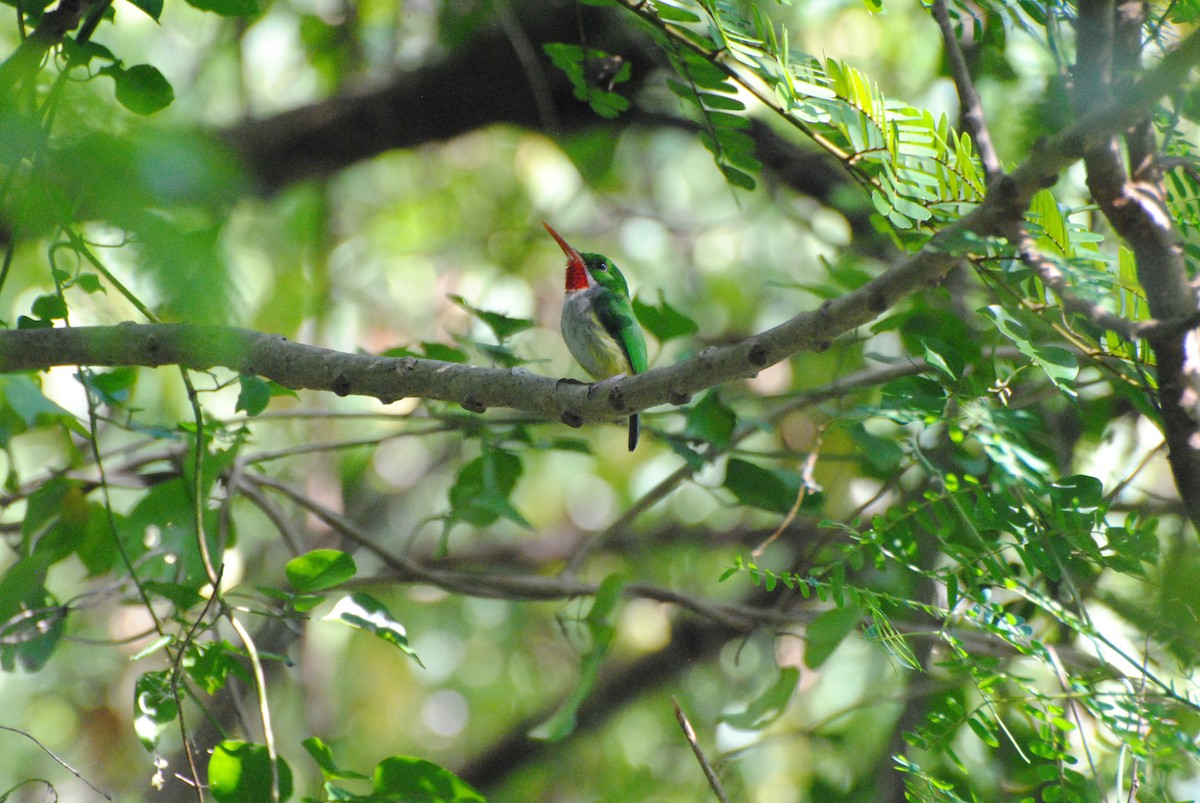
(597,320)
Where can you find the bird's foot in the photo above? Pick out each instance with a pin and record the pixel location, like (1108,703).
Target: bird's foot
(568,381)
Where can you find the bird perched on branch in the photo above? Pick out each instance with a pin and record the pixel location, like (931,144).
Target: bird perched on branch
(597,320)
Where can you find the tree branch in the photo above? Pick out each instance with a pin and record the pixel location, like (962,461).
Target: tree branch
(300,366)
(473,88)
(55,24)
(1135,205)
(972,107)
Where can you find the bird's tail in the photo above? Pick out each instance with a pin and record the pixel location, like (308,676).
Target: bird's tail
(634,429)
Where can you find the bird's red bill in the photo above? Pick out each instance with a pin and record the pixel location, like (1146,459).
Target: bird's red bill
(576,271)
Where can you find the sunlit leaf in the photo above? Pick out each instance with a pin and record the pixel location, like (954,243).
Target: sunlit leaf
(322,754)
(240,772)
(154,707)
(416,780)
(364,612)
(320,569)
(211,664)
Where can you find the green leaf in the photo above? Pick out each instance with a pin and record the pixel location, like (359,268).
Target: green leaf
(55,514)
(664,322)
(673,14)
(737,178)
(480,494)
(577,445)
(142,88)
(49,307)
(913,398)
(769,705)
(254,395)
(711,421)
(227,8)
(112,387)
(414,780)
(984,731)
(1127,549)
(211,664)
(152,8)
(1060,366)
(240,772)
(31,620)
(322,754)
(562,723)
(320,569)
(35,634)
(364,612)
(501,325)
(80,55)
(181,596)
(882,455)
(725,102)
(590,84)
(440,351)
(826,632)
(154,708)
(500,355)
(25,322)
(607,104)
(23,406)
(705,74)
(683,91)
(1079,492)
(760,487)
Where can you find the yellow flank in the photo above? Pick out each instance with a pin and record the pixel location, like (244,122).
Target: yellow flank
(605,358)
(592,347)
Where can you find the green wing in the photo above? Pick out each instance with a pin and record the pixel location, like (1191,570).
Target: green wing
(615,312)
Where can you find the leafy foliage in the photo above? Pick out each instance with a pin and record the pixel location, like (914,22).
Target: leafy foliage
(991,557)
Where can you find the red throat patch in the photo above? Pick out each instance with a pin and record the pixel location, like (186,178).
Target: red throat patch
(577,278)
(576,274)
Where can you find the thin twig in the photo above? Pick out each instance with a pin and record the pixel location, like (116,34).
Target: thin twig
(61,763)
(264,709)
(690,735)
(176,676)
(1054,280)
(868,377)
(973,118)
(807,483)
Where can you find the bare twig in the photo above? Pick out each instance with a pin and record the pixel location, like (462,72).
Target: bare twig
(973,117)
(60,762)
(713,781)
(264,709)
(807,483)
(1054,280)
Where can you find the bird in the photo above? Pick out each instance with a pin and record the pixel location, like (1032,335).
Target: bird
(597,323)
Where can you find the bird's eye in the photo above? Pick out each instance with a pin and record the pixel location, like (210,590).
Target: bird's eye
(602,265)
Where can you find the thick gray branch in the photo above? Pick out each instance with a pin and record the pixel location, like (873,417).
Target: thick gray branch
(308,367)
(1134,201)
